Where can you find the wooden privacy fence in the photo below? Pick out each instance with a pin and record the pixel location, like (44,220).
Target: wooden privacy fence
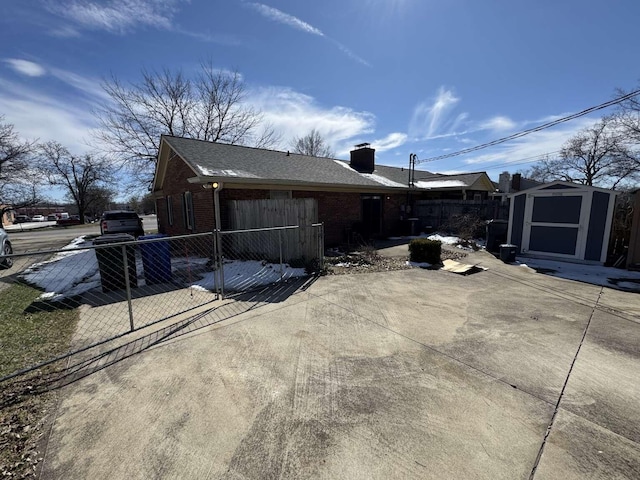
(438,213)
(300,244)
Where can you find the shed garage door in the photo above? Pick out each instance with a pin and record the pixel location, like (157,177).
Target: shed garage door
(556,224)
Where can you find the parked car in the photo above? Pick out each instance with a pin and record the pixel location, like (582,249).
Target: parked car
(51,218)
(121,221)
(65,222)
(38,218)
(5,249)
(21,219)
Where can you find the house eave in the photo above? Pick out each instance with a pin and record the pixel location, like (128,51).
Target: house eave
(274,184)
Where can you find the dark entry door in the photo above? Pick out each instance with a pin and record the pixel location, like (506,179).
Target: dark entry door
(371,215)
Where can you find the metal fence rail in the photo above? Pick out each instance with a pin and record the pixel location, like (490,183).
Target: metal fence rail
(123,286)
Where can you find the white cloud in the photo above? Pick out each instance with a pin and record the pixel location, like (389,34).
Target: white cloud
(90,86)
(117,16)
(286,19)
(294,114)
(65,31)
(350,54)
(44,117)
(26,67)
(218,38)
(433,117)
(526,150)
(391,141)
(498,123)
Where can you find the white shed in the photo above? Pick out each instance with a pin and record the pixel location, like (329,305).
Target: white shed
(562,220)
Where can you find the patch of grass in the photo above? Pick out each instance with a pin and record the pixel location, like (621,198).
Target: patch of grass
(30,338)
(25,403)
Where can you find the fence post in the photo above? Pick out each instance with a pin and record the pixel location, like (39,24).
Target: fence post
(220,262)
(215,266)
(127,284)
(280,249)
(321,243)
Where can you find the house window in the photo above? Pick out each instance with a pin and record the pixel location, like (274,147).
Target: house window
(187,202)
(279,194)
(169,210)
(477,197)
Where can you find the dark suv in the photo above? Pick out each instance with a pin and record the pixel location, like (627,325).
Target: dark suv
(121,221)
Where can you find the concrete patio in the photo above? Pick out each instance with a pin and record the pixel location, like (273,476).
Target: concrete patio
(406,374)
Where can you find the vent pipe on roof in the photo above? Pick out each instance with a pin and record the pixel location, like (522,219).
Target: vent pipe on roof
(412,169)
(363,158)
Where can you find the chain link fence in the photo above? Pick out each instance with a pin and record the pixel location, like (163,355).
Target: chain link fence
(118,285)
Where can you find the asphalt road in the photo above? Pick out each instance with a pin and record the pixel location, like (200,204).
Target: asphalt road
(50,237)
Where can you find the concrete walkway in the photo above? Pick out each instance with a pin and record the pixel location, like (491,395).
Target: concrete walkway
(407,374)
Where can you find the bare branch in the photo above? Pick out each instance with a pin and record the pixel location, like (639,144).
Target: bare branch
(79,176)
(312,144)
(597,155)
(210,107)
(17,186)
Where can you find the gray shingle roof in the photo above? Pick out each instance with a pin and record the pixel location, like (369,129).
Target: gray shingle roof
(234,162)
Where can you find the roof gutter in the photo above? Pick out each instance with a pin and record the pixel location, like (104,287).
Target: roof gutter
(242,181)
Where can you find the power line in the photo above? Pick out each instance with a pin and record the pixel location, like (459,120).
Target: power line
(544,126)
(520,161)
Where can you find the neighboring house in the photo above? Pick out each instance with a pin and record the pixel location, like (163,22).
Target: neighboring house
(562,220)
(350,195)
(508,183)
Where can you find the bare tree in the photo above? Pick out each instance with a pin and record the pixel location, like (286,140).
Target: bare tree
(597,155)
(312,144)
(78,175)
(100,199)
(17,186)
(210,107)
(628,117)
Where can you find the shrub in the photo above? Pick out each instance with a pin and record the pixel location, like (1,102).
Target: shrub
(467,226)
(425,250)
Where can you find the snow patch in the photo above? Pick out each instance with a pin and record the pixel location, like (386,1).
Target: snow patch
(594,274)
(447,240)
(224,173)
(239,275)
(372,176)
(429,184)
(382,180)
(70,272)
(419,264)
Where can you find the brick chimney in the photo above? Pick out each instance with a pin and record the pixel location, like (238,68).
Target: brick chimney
(515,182)
(363,158)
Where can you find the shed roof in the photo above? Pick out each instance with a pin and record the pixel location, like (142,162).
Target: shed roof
(562,185)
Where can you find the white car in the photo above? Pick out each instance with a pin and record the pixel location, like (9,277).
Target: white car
(38,218)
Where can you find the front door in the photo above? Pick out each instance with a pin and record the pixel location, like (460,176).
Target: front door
(371,215)
(555,224)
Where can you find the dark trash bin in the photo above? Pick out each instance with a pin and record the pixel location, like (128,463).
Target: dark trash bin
(111,261)
(508,252)
(496,234)
(156,259)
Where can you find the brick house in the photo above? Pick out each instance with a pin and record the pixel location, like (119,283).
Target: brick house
(374,199)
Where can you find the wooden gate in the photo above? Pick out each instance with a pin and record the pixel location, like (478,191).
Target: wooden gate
(296,244)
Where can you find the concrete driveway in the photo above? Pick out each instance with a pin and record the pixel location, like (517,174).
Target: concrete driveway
(406,374)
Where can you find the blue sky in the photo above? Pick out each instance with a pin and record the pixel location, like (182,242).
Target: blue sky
(408,76)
